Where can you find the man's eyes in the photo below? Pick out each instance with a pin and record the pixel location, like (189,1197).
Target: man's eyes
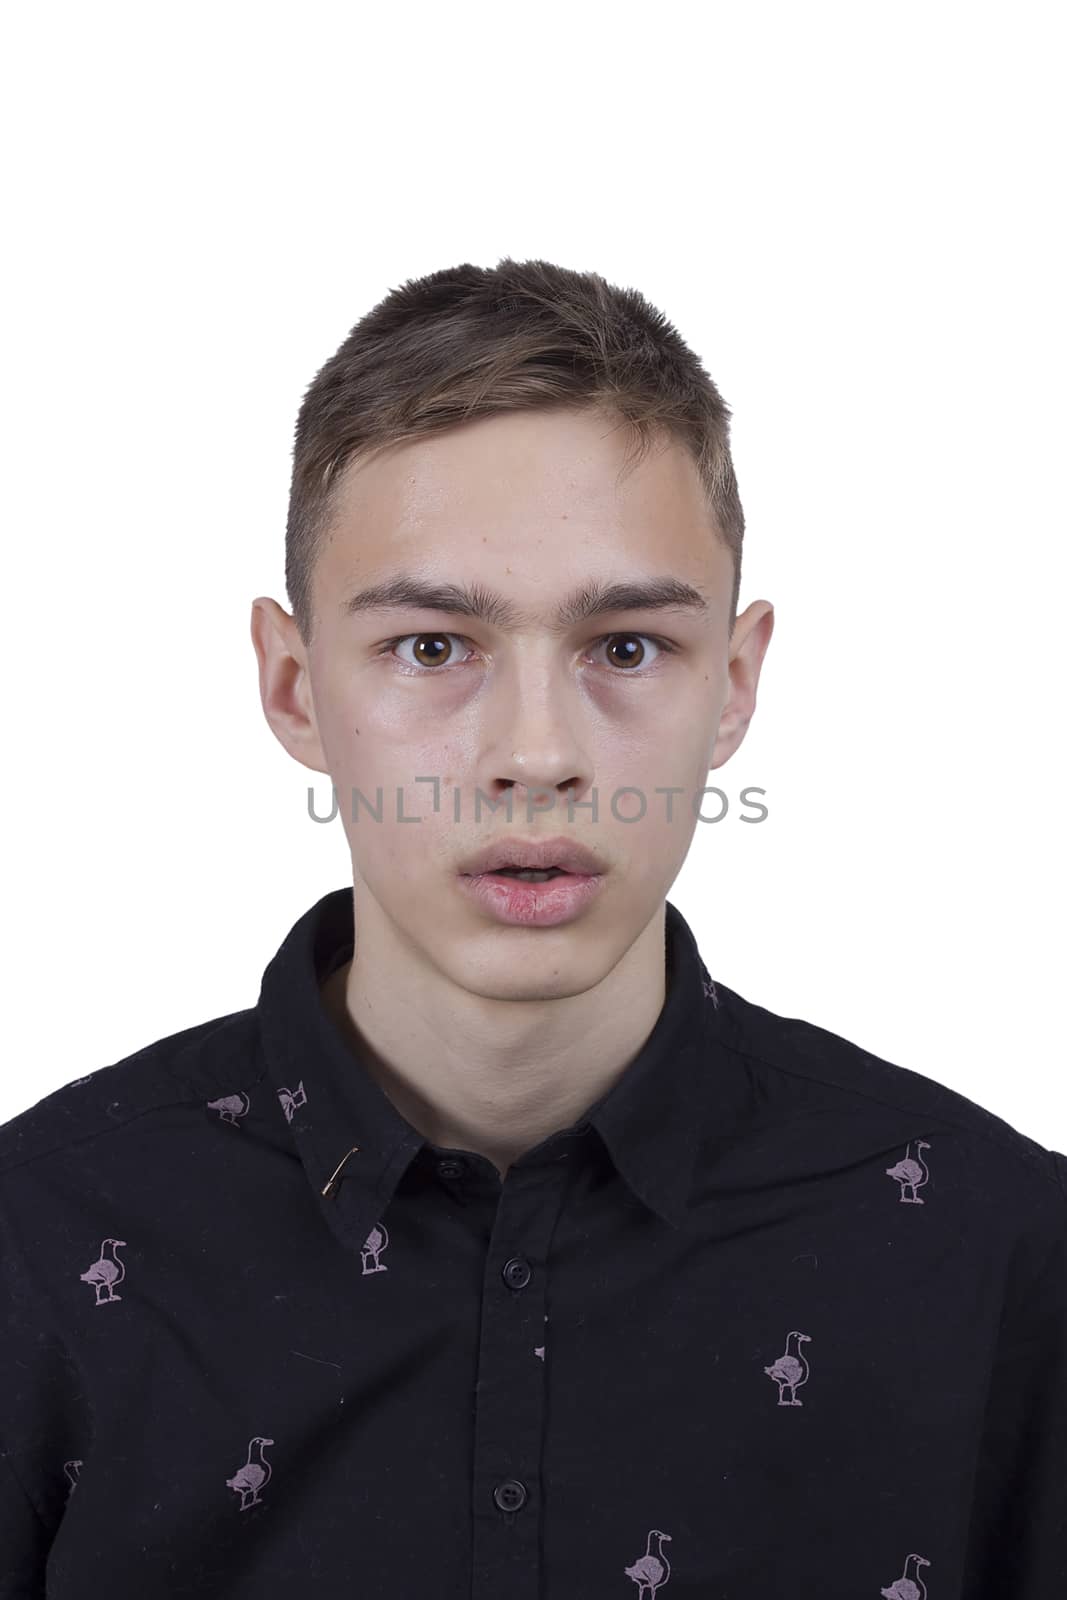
(432,651)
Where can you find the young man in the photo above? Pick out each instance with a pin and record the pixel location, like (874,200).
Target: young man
(499,1253)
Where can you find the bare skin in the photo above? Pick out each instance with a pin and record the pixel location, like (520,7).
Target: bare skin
(490,1037)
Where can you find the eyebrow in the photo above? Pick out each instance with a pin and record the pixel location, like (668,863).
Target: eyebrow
(404,591)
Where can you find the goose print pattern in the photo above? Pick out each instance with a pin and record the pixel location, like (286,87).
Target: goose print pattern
(292,1099)
(376,1241)
(790,1370)
(651,1571)
(911,1174)
(105,1272)
(230,1107)
(908,1588)
(248,1480)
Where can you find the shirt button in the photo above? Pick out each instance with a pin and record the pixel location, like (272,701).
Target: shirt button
(450,1168)
(510,1495)
(516,1273)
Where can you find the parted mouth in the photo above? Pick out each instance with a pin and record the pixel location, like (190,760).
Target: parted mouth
(535,855)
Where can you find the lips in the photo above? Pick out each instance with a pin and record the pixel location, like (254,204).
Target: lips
(520,903)
(568,855)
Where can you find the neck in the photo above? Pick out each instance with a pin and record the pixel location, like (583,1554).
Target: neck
(492,1076)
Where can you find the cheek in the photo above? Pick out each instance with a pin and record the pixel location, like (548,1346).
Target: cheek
(660,743)
(371,738)
(397,800)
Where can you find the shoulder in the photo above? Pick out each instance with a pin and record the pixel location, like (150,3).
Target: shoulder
(827,1071)
(219,1055)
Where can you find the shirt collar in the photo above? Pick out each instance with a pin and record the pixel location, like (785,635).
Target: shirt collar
(339,1117)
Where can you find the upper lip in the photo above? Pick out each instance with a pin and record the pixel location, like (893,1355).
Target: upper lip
(567,854)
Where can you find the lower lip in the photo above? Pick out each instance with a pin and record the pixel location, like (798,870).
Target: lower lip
(532,905)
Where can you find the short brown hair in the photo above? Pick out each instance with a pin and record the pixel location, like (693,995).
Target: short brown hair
(469,342)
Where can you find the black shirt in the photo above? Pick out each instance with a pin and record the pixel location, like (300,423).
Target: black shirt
(773,1318)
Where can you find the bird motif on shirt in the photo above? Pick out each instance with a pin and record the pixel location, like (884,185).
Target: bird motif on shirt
(790,1370)
(248,1480)
(652,1570)
(908,1588)
(292,1099)
(230,1107)
(106,1272)
(375,1242)
(911,1173)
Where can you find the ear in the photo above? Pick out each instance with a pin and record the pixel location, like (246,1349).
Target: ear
(284,684)
(748,646)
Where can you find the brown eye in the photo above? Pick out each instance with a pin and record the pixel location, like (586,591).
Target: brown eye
(429,650)
(625,650)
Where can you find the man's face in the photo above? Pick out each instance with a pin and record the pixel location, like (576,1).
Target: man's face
(526,507)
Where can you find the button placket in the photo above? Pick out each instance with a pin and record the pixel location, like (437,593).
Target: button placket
(510,1384)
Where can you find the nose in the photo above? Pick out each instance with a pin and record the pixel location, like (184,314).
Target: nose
(538,747)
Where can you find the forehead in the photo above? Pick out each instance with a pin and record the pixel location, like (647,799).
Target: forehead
(517,491)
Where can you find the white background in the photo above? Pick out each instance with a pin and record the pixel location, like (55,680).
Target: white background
(853,214)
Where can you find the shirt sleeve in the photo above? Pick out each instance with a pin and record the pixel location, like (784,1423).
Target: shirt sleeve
(1017,1546)
(43,1420)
